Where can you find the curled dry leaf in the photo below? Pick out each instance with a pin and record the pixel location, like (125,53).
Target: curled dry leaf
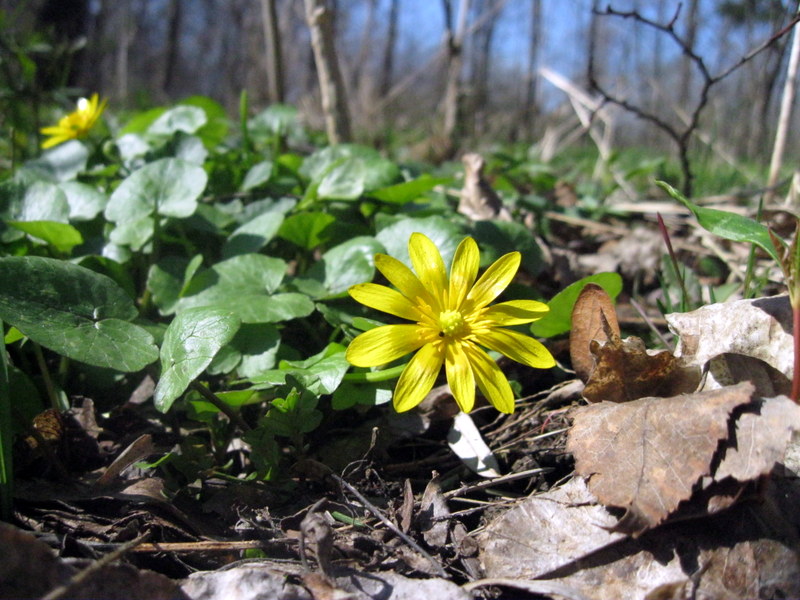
(646,456)
(625,371)
(593,318)
(733,340)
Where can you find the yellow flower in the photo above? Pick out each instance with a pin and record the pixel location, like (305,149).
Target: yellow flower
(76,124)
(452,320)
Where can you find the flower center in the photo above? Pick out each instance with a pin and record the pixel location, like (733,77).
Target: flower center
(452,323)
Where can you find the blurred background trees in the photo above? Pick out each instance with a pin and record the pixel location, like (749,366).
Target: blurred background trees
(442,75)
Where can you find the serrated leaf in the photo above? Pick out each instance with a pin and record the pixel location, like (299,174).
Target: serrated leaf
(190,343)
(75,312)
(727,225)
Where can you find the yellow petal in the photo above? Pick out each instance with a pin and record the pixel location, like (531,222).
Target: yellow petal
(518,347)
(428,264)
(491,380)
(403,278)
(463,272)
(513,312)
(384,299)
(418,377)
(492,283)
(383,345)
(460,376)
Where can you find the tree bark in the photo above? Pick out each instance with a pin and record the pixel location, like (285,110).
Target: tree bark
(530,109)
(172,55)
(273,57)
(389,49)
(785,117)
(454,38)
(331,83)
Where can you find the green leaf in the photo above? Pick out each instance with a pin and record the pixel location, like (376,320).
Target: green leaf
(344,181)
(408,191)
(258,347)
(63,162)
(559,319)
(187,119)
(727,225)
(231,280)
(85,202)
(346,264)
(253,235)
(75,312)
(297,413)
(496,238)
(258,174)
(442,232)
(192,340)
(321,373)
(169,187)
(307,230)
(61,236)
(168,278)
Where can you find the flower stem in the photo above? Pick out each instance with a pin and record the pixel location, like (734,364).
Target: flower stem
(796,342)
(374,376)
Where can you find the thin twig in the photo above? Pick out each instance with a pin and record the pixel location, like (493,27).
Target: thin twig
(79,577)
(465,489)
(394,528)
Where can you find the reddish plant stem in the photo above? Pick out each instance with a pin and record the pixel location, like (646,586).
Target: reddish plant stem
(796,342)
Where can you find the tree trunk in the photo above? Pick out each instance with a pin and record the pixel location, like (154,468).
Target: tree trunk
(273,57)
(172,54)
(530,109)
(785,117)
(389,49)
(482,51)
(452,125)
(687,66)
(331,84)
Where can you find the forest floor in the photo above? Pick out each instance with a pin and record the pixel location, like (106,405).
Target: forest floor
(582,501)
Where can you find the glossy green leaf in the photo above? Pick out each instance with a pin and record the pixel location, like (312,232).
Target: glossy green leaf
(496,238)
(307,230)
(258,348)
(442,232)
(192,340)
(62,236)
(346,264)
(187,119)
(75,312)
(344,181)
(63,162)
(85,202)
(253,235)
(559,319)
(169,187)
(727,225)
(408,191)
(258,174)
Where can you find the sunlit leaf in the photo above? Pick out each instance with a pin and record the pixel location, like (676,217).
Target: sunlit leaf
(190,343)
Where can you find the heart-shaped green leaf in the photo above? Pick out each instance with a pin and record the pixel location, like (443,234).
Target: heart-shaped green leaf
(190,343)
(75,312)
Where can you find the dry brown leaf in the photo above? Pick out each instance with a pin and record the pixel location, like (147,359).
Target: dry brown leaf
(625,371)
(592,317)
(759,329)
(645,456)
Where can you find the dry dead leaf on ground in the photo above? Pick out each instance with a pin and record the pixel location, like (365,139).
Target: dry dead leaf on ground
(593,318)
(646,456)
(733,340)
(625,371)
(563,536)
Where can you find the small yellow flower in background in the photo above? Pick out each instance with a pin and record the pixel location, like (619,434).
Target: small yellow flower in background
(452,320)
(76,124)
